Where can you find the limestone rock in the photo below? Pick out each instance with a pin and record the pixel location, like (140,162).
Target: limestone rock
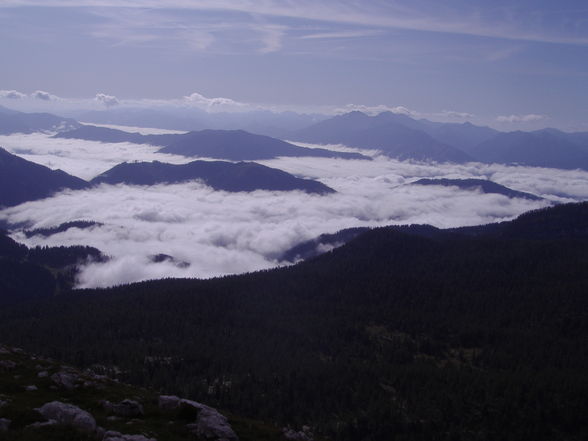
(68,414)
(31,388)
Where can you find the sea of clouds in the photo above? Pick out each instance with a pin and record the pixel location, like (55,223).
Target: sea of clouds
(221,233)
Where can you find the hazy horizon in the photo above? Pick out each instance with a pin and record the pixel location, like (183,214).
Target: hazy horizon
(509,66)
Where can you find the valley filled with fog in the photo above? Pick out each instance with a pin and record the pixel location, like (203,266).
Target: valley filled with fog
(210,233)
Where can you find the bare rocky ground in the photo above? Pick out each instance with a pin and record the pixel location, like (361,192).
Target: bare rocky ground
(41,399)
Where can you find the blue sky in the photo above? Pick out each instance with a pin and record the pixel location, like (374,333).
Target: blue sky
(511,64)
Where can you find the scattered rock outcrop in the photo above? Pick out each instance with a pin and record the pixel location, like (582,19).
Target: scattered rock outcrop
(69,415)
(26,412)
(111,435)
(126,408)
(210,423)
(4,424)
(301,435)
(7,365)
(64,379)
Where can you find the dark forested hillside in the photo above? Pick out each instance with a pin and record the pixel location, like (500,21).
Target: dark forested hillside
(407,334)
(39,272)
(220,175)
(22,180)
(482,185)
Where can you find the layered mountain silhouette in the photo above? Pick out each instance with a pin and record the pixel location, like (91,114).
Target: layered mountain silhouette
(382,132)
(270,123)
(12,121)
(105,134)
(400,136)
(543,148)
(395,135)
(220,175)
(238,145)
(482,185)
(22,180)
(235,145)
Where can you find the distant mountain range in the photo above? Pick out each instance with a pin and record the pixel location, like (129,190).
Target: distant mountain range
(383,132)
(483,185)
(220,175)
(542,148)
(105,134)
(395,135)
(402,137)
(12,121)
(239,145)
(22,180)
(235,145)
(275,124)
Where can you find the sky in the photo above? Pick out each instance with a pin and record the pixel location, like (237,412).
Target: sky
(219,233)
(517,64)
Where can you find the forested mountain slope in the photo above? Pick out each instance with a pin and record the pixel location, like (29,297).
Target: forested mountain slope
(420,333)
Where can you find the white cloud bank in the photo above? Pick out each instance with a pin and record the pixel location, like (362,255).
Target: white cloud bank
(107,100)
(531,117)
(221,233)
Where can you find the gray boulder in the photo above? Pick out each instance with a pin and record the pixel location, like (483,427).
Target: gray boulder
(68,414)
(4,424)
(126,408)
(7,364)
(65,380)
(169,403)
(210,423)
(303,435)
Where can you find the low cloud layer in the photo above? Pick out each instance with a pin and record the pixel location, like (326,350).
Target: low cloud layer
(107,100)
(42,95)
(41,101)
(221,233)
(531,117)
(11,94)
(84,159)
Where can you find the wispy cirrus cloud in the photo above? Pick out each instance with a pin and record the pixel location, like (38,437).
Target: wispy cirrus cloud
(521,22)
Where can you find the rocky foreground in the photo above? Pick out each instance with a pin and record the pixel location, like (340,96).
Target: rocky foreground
(41,399)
